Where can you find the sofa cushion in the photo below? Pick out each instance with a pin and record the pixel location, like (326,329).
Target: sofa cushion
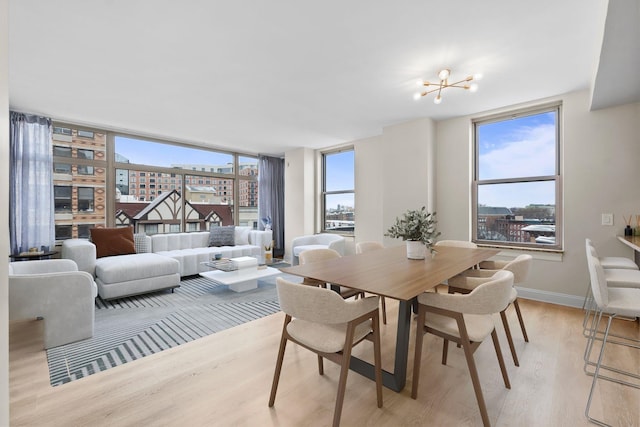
(113,241)
(241,236)
(222,236)
(142,243)
(132,267)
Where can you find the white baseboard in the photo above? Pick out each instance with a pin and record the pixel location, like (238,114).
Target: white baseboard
(550,297)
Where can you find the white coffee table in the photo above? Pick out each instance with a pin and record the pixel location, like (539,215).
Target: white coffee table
(240,280)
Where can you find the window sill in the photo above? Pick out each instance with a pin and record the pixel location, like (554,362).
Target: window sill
(508,253)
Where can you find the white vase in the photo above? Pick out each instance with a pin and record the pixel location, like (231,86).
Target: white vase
(415,249)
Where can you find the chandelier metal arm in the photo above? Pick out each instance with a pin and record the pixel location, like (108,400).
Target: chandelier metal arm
(443,84)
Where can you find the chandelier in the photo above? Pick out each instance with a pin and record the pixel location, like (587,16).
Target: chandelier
(443,75)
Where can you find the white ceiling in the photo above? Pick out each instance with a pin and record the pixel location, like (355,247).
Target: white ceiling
(268,76)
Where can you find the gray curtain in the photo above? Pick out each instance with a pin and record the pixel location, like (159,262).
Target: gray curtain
(271,198)
(31,204)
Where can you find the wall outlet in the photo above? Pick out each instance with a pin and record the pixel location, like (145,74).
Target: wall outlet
(607,219)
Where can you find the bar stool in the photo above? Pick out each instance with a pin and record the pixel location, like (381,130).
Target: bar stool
(619,272)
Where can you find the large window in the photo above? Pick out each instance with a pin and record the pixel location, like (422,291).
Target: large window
(166,188)
(338,191)
(517,187)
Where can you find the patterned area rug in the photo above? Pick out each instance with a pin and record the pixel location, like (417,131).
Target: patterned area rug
(130,328)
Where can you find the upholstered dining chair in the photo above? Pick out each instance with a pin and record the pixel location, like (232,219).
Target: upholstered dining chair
(520,266)
(322,322)
(455,244)
(466,319)
(611,302)
(362,247)
(312,255)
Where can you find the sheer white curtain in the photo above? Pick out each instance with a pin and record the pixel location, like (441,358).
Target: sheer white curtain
(31,204)
(271,197)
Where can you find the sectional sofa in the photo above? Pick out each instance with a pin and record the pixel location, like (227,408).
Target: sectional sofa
(160,260)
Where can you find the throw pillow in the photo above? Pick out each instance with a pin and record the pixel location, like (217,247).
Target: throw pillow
(242,235)
(113,241)
(222,236)
(141,243)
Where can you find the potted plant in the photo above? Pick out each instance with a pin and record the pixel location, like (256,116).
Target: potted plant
(418,229)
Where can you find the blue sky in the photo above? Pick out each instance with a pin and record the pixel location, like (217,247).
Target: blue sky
(152,153)
(518,148)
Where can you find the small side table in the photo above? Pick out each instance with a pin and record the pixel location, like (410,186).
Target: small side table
(31,257)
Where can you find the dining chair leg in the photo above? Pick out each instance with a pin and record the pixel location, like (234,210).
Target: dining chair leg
(344,371)
(503,368)
(320,365)
(507,332)
(276,375)
(384,311)
(519,313)
(475,379)
(445,351)
(377,358)
(418,352)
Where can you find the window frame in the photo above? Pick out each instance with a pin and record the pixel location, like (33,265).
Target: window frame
(324,193)
(556,178)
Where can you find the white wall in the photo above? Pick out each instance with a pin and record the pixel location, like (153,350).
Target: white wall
(4,212)
(408,180)
(601,175)
(369,170)
(299,195)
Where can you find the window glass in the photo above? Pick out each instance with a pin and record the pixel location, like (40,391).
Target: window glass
(85,199)
(61,151)
(62,198)
(63,232)
(517,179)
(131,150)
(64,168)
(338,191)
(518,147)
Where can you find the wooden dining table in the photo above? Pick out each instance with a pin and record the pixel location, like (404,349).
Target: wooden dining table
(388,272)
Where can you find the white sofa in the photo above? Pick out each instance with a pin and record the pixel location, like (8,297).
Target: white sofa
(192,249)
(57,292)
(316,241)
(160,260)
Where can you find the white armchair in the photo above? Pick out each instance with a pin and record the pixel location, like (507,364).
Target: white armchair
(57,292)
(316,241)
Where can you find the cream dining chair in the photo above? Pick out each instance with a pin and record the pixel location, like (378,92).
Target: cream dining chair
(321,321)
(466,319)
(313,255)
(455,244)
(363,247)
(520,266)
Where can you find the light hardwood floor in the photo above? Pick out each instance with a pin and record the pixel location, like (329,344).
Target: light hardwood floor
(224,380)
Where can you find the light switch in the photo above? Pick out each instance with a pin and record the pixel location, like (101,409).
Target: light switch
(607,219)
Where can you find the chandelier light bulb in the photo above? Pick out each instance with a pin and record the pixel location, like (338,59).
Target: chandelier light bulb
(437,99)
(477,76)
(444,74)
(473,87)
(417,96)
(419,82)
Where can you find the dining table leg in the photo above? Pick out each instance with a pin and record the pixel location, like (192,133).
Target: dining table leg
(397,379)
